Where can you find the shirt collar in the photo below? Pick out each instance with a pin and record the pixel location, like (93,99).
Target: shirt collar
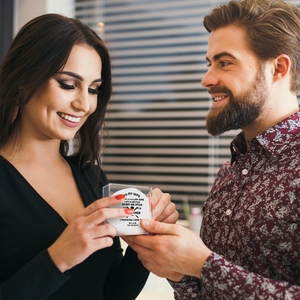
(275,139)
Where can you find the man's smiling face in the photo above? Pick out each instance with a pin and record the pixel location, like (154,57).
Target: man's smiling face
(235,80)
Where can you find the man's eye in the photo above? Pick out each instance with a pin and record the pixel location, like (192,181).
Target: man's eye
(66,86)
(224,63)
(96,91)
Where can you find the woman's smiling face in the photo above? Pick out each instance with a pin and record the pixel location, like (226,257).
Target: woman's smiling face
(61,106)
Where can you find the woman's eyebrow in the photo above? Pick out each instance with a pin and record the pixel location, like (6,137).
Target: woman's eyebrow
(71,74)
(98,80)
(77,76)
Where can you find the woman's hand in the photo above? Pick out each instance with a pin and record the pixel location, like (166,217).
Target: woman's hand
(87,233)
(163,209)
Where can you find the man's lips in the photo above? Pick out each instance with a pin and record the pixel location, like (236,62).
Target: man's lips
(217,98)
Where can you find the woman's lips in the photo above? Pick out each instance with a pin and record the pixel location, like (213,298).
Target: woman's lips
(69,120)
(69,117)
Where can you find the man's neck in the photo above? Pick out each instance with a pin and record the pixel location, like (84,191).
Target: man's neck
(266,121)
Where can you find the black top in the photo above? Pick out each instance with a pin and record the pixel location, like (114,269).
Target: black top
(29,225)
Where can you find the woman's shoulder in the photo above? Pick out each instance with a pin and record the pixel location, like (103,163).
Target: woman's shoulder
(6,166)
(94,173)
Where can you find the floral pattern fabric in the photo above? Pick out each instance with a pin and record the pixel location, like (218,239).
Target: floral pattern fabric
(251,221)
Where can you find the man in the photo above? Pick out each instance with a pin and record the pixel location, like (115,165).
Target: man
(250,239)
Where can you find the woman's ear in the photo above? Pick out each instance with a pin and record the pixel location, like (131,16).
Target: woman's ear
(281,67)
(14,115)
(15,111)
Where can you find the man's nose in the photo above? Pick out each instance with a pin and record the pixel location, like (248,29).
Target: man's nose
(210,79)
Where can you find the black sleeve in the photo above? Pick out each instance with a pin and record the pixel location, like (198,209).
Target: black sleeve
(37,280)
(126,278)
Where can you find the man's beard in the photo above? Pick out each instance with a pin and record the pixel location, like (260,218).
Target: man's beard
(239,111)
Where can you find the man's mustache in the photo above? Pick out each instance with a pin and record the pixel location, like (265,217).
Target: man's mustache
(217,90)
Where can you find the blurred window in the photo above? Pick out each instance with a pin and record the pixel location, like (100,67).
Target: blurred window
(156,117)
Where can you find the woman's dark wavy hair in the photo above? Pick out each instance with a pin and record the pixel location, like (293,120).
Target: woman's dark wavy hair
(38,52)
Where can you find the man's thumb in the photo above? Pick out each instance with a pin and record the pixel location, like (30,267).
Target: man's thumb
(157,227)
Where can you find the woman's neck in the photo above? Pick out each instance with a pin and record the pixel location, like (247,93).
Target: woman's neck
(32,151)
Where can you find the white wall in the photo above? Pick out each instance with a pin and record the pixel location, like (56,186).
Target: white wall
(26,10)
(63,7)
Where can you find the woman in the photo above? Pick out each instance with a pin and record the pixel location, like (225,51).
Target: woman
(55,82)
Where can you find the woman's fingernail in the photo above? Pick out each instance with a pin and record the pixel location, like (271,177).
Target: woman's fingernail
(120,197)
(153,205)
(129,211)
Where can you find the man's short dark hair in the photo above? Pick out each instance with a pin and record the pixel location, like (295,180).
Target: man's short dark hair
(272,26)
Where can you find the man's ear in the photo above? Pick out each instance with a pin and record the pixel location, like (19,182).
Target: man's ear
(281,67)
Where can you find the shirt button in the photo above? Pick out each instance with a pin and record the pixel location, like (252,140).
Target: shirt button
(228,212)
(245,172)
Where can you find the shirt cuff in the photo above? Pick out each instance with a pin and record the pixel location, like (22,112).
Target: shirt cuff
(186,289)
(223,276)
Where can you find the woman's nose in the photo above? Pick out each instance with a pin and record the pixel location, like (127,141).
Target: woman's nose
(82,102)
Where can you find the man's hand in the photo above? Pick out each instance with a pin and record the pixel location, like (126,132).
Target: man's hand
(170,248)
(164,273)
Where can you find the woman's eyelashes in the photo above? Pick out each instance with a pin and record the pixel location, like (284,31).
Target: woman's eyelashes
(65,86)
(96,91)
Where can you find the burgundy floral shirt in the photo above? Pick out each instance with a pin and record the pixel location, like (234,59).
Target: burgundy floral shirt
(251,221)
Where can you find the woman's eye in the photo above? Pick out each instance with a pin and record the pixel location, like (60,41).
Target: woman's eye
(66,86)
(96,91)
